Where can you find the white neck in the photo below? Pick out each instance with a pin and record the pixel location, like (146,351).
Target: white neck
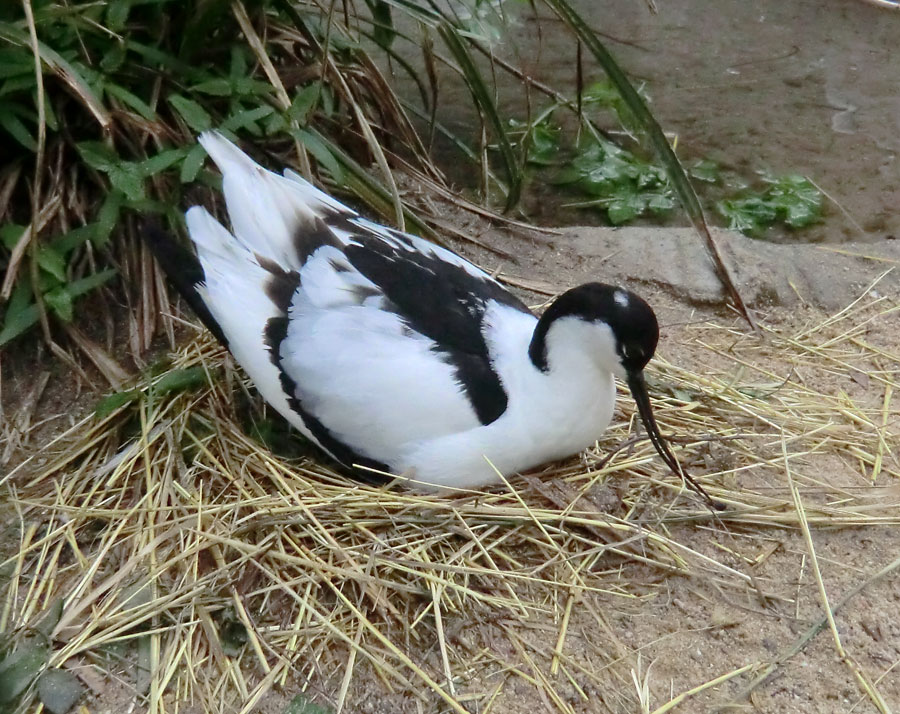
(550,414)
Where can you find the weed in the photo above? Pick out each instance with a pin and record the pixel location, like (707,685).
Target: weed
(791,199)
(104,132)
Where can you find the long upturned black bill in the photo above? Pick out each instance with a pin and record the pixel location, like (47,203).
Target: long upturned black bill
(639,391)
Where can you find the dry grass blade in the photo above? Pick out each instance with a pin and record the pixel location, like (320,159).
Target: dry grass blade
(164,523)
(857,671)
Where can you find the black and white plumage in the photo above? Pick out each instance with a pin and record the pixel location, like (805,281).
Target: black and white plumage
(392,353)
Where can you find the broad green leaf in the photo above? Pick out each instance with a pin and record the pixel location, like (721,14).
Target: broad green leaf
(50,617)
(107,218)
(117,14)
(300,704)
(180,380)
(239,62)
(10,234)
(275,123)
(638,107)
(131,100)
(60,301)
(246,119)
(705,170)
(52,261)
(98,156)
(113,59)
(59,690)
(192,163)
(20,667)
(247,86)
(17,61)
(126,177)
(195,116)
(70,240)
(303,103)
(110,403)
(21,312)
(321,152)
(18,85)
(79,287)
(160,162)
(16,128)
(747,215)
(218,87)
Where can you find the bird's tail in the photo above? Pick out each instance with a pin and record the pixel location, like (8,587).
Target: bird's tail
(184,272)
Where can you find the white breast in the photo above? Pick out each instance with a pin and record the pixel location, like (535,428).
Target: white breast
(549,416)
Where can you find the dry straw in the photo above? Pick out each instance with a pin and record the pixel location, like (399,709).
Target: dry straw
(163,529)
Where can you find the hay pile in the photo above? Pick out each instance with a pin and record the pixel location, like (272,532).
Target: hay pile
(165,552)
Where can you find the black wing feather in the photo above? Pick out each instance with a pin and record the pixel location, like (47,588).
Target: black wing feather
(444,302)
(184,271)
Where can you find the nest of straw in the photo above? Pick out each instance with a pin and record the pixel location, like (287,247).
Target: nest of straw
(165,548)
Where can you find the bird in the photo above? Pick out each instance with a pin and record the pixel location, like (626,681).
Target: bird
(396,356)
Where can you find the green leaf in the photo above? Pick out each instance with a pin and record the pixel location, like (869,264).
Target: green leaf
(21,312)
(114,401)
(247,86)
(79,287)
(10,234)
(70,240)
(50,617)
(300,704)
(98,155)
(797,200)
(705,170)
(180,380)
(245,119)
(107,218)
(625,208)
(638,107)
(15,62)
(233,636)
(238,67)
(52,261)
(747,215)
(321,152)
(661,202)
(117,14)
(195,116)
(127,178)
(16,129)
(303,103)
(59,690)
(383,33)
(160,162)
(218,87)
(275,123)
(113,59)
(60,301)
(192,163)
(19,669)
(131,100)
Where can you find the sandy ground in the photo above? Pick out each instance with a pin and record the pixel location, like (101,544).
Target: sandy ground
(804,87)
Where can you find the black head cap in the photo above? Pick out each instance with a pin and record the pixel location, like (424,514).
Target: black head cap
(630,318)
(636,332)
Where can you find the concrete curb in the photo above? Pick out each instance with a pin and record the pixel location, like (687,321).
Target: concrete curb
(767,274)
